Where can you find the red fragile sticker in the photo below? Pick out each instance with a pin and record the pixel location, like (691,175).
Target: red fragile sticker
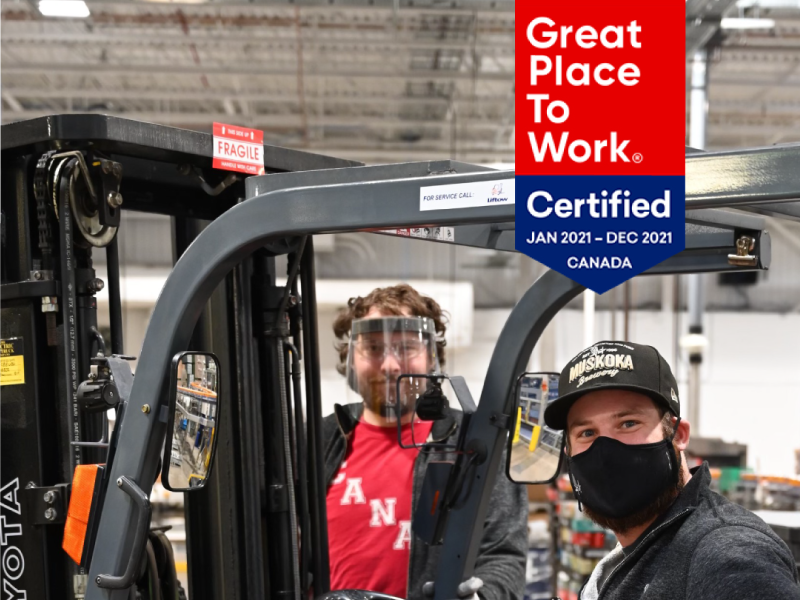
(238,149)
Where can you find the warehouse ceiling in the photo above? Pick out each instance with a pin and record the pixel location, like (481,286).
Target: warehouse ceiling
(375,80)
(372,80)
(754,74)
(379,81)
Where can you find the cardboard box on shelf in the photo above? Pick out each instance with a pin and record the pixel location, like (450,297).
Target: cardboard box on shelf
(538,516)
(537,493)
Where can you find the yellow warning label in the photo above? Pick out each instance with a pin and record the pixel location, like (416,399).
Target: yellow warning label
(12,362)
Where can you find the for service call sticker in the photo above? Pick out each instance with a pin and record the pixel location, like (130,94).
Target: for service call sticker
(600,121)
(441,234)
(466,195)
(12,362)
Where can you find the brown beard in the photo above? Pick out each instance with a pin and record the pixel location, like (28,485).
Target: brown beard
(375,399)
(385,409)
(647,514)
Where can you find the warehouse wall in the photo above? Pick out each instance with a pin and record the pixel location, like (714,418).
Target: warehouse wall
(750,390)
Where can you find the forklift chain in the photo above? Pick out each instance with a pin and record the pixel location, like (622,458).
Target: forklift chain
(40,192)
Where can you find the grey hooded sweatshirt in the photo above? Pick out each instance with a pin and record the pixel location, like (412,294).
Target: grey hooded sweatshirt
(703,548)
(503,550)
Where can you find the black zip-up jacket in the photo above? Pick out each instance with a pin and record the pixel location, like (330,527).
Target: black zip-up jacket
(503,550)
(705,547)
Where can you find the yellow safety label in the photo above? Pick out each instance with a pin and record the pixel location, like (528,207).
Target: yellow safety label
(12,362)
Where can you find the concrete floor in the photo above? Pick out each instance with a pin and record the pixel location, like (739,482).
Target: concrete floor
(526,466)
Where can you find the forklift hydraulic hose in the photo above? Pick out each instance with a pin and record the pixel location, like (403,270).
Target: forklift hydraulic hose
(287,449)
(101,343)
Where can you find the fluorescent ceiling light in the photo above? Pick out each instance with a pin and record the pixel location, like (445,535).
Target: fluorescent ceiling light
(63,8)
(746,23)
(768,3)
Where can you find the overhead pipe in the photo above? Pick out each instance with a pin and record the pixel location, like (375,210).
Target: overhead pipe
(694,342)
(589,298)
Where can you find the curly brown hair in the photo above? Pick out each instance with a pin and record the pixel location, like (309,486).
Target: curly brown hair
(391,301)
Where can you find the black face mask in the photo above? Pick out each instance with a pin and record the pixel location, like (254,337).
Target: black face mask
(616,480)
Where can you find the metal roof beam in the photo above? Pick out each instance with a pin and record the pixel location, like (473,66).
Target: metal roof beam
(268,121)
(323,70)
(12,101)
(373,156)
(750,82)
(215,37)
(232,8)
(250,96)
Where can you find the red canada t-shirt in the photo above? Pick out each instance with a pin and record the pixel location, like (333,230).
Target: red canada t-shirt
(369,510)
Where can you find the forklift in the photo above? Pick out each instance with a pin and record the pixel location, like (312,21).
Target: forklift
(216,407)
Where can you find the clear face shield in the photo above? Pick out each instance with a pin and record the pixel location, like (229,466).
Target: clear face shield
(380,350)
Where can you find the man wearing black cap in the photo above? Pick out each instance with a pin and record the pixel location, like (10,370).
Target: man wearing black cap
(620,412)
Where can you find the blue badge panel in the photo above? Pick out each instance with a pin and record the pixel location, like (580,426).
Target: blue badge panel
(600,230)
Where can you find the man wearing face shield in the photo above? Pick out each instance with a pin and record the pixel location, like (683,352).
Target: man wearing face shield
(374,484)
(625,442)
(380,350)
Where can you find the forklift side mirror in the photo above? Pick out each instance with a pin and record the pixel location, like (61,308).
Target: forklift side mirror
(535,451)
(193,420)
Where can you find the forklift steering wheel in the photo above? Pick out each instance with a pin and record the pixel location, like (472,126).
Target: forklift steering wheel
(355,595)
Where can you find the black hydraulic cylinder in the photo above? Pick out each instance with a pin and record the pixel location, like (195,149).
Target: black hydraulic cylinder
(71,350)
(288,392)
(114,300)
(93,425)
(251,445)
(266,299)
(69,353)
(301,490)
(316,465)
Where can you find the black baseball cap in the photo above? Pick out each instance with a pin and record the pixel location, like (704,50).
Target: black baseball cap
(614,366)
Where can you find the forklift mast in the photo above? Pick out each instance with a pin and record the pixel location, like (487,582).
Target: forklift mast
(53,224)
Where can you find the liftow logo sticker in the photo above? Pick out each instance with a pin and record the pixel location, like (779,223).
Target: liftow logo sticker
(467,195)
(600,120)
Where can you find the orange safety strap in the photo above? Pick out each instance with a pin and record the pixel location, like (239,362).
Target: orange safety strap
(80,504)
(196,385)
(198,392)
